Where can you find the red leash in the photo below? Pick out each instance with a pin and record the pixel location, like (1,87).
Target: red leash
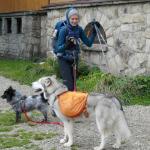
(74,74)
(39,122)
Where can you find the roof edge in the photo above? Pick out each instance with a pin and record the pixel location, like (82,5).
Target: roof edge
(80,4)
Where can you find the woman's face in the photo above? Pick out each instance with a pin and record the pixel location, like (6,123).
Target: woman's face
(74,20)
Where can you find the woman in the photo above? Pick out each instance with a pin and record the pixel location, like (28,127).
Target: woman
(68,46)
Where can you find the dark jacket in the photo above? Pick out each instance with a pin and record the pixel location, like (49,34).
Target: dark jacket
(62,39)
(61,43)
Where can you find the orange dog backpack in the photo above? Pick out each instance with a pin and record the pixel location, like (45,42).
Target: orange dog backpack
(72,104)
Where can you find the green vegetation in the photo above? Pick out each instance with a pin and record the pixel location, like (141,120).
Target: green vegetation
(21,137)
(8,142)
(53,148)
(41,136)
(26,71)
(7,119)
(74,147)
(130,90)
(6,128)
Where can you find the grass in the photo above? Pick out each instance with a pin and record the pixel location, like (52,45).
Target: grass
(53,148)
(140,101)
(21,137)
(25,71)
(41,136)
(8,142)
(7,119)
(6,128)
(130,90)
(75,147)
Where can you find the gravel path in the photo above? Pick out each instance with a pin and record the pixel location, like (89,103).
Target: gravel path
(86,136)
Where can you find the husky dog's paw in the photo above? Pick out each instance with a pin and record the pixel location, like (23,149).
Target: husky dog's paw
(98,148)
(62,141)
(68,144)
(116,146)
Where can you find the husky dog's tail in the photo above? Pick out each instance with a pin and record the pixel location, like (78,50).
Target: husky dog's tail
(118,103)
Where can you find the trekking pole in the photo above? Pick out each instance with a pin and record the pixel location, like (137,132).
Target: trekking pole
(99,35)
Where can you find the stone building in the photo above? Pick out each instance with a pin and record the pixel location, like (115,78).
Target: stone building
(124,23)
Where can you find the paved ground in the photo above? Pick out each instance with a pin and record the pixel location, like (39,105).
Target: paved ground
(86,136)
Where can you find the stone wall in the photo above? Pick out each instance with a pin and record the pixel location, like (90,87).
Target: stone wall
(25,44)
(127,27)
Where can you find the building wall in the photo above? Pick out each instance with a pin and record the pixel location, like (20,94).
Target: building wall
(21,45)
(127,27)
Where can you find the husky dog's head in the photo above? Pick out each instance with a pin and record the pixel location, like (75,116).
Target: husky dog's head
(8,94)
(42,84)
(48,85)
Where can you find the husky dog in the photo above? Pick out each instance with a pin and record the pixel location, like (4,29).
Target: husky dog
(22,103)
(108,112)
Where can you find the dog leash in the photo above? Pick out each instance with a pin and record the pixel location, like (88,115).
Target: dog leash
(39,122)
(74,73)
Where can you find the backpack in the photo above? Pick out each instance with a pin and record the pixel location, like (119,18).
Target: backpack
(58,26)
(72,104)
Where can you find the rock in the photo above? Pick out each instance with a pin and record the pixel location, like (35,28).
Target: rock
(146,8)
(115,65)
(148,19)
(111,53)
(147,33)
(147,49)
(140,71)
(132,18)
(136,59)
(148,61)
(110,41)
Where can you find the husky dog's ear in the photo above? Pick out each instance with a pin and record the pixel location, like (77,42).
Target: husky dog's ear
(54,76)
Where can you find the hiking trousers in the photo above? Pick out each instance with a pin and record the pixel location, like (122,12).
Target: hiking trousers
(67,73)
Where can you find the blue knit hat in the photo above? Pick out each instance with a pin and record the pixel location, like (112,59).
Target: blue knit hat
(71,11)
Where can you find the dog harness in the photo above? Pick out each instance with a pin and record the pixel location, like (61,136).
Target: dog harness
(72,104)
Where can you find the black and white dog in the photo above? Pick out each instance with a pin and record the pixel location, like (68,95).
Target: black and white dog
(22,103)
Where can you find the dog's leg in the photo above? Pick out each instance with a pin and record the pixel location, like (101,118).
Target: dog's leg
(122,131)
(103,135)
(45,116)
(65,139)
(103,142)
(118,140)
(18,116)
(69,130)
